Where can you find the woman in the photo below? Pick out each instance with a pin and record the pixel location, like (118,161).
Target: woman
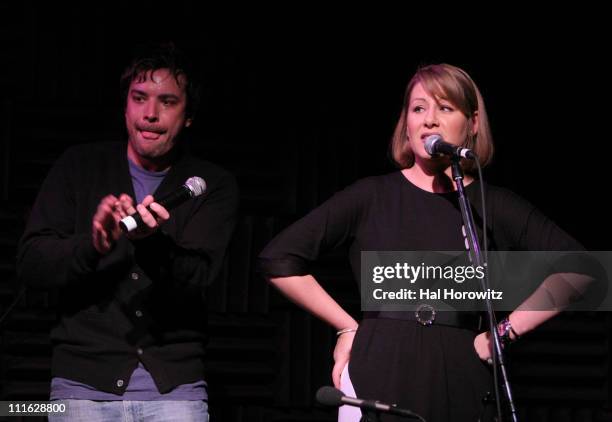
(440,370)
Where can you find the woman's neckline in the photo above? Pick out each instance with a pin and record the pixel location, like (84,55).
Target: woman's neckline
(452,192)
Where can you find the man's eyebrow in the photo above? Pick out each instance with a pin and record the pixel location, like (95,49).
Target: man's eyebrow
(137,92)
(169,97)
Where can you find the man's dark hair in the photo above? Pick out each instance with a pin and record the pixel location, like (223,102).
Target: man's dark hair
(164,56)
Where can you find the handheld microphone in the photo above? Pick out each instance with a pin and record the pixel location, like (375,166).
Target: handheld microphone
(194,186)
(435,145)
(330,396)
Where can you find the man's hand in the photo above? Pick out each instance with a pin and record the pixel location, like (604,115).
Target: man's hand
(152,220)
(105,225)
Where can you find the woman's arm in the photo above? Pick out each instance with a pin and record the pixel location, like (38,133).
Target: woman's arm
(555,294)
(308,293)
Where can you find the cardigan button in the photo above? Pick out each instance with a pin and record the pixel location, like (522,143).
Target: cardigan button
(119,383)
(135,276)
(138,313)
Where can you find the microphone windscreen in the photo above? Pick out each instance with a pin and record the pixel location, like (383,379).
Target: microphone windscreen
(430,142)
(196,185)
(329,396)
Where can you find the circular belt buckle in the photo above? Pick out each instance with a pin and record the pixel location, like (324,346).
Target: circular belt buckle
(425,314)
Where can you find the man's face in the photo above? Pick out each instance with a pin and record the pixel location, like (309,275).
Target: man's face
(155,116)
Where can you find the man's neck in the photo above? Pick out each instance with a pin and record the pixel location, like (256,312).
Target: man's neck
(154,165)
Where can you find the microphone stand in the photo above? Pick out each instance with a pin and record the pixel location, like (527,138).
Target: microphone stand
(477,260)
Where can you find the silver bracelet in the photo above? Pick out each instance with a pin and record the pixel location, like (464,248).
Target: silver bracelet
(346,330)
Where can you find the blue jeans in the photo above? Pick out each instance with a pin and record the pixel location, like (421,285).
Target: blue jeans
(132,411)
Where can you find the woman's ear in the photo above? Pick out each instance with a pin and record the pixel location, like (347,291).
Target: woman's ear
(474,123)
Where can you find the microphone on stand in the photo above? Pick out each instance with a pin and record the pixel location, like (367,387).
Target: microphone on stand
(330,396)
(435,145)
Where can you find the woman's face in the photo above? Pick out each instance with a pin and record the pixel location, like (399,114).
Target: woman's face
(428,116)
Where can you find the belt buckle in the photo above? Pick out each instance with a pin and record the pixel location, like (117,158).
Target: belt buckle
(425,314)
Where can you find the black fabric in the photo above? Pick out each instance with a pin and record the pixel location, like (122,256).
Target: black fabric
(466,320)
(147,294)
(433,370)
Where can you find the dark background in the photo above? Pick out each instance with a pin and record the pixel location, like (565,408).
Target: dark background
(299,104)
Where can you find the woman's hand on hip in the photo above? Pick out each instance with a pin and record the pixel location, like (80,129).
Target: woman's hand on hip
(342,354)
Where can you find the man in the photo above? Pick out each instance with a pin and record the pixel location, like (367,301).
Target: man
(129,342)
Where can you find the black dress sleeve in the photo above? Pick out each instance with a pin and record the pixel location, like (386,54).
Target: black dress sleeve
(330,225)
(519,225)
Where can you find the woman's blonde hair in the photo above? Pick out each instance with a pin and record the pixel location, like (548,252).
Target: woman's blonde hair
(444,81)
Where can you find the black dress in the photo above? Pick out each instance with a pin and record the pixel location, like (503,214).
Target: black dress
(432,370)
